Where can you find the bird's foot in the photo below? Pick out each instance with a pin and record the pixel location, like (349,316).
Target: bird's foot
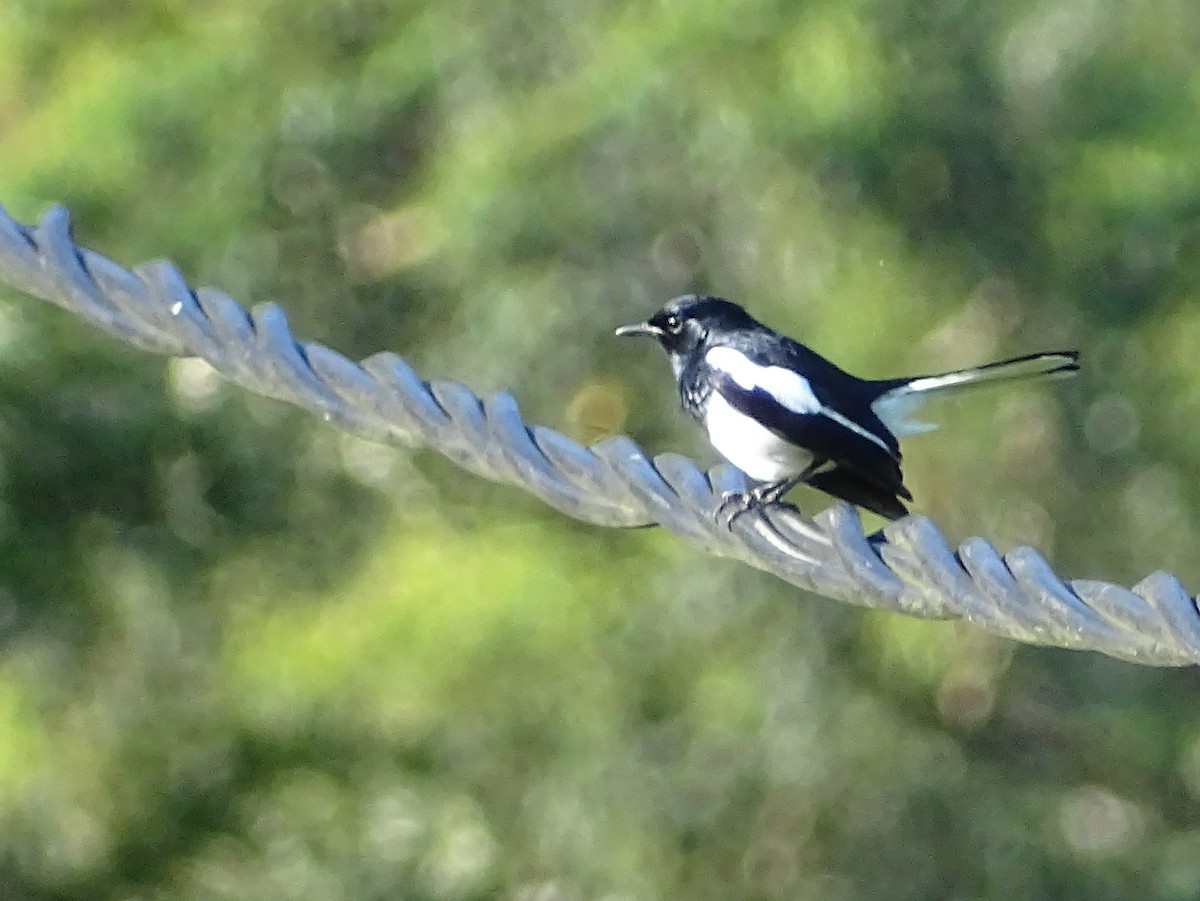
(735,504)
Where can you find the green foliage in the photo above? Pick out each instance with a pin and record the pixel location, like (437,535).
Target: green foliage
(243,656)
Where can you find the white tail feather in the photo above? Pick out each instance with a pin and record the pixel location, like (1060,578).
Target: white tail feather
(895,405)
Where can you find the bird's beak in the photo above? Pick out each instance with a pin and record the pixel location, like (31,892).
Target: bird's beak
(640,328)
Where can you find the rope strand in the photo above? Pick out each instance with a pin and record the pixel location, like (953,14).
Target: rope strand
(909,567)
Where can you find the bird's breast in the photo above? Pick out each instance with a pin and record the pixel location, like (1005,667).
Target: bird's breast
(752,448)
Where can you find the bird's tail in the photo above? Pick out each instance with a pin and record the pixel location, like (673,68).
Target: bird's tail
(899,397)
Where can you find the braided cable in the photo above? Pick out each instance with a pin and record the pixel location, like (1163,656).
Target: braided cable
(909,567)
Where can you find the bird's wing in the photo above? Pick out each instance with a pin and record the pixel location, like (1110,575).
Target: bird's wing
(836,389)
(783,401)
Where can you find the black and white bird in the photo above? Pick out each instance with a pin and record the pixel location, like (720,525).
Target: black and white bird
(783,414)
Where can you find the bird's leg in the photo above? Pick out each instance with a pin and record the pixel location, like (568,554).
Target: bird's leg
(735,503)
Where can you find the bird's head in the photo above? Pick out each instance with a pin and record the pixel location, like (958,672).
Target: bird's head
(683,326)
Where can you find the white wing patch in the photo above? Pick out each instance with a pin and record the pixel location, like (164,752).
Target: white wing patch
(855,427)
(789,388)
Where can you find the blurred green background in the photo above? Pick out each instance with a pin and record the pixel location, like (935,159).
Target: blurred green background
(244,656)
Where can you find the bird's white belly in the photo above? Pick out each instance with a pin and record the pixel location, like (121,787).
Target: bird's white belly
(755,450)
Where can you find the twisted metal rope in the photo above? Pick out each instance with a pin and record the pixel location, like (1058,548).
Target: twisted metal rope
(909,567)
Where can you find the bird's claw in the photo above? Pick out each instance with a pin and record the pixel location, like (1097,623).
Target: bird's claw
(735,504)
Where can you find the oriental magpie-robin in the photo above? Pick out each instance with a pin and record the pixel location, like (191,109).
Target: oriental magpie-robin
(785,415)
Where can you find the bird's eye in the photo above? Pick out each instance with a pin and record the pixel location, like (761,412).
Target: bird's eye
(673,323)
